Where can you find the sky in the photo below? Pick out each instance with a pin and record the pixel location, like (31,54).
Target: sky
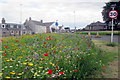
(69,13)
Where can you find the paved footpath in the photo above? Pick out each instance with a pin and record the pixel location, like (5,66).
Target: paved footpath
(107,38)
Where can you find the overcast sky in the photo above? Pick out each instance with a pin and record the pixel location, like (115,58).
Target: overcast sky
(82,12)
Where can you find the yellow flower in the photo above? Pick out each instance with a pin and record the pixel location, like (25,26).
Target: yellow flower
(50,63)
(12,72)
(2,51)
(24,63)
(60,51)
(53,64)
(30,64)
(35,73)
(7,77)
(20,57)
(19,74)
(41,67)
(7,60)
(26,60)
(41,62)
(1,73)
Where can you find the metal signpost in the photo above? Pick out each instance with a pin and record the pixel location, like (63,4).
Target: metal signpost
(113,14)
(56,24)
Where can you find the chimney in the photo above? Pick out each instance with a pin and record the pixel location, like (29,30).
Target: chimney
(41,21)
(3,21)
(29,18)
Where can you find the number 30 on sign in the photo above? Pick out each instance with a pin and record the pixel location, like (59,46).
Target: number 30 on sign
(113,14)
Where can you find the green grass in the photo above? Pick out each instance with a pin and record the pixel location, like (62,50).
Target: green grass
(100,33)
(111,55)
(67,56)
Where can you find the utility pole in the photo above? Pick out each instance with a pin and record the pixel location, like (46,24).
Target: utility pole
(74,21)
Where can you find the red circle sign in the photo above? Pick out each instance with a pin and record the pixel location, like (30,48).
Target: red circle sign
(113,14)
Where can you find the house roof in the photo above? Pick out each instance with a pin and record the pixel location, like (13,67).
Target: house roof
(98,23)
(33,22)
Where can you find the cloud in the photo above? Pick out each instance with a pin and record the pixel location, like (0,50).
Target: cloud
(62,10)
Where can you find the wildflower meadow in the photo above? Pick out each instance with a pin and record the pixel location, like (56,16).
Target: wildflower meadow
(50,56)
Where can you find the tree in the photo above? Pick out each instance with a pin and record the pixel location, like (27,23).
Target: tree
(108,8)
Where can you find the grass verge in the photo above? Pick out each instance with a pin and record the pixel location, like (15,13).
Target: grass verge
(99,32)
(112,57)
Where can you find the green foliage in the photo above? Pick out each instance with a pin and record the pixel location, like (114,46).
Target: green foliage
(108,8)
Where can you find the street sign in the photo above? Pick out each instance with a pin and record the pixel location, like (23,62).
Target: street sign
(56,24)
(113,14)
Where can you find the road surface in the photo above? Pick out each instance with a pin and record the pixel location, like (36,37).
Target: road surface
(107,38)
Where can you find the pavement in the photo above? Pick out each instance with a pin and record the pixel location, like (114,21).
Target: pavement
(107,38)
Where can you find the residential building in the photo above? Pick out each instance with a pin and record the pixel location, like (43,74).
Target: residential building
(96,26)
(39,26)
(13,29)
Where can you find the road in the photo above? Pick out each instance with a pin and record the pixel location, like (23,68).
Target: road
(107,38)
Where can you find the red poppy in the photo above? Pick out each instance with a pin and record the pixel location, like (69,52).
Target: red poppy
(17,41)
(103,66)
(56,65)
(78,49)
(54,51)
(49,71)
(6,47)
(75,70)
(1,40)
(49,36)
(62,39)
(46,54)
(4,54)
(54,39)
(61,73)
(82,58)
(44,42)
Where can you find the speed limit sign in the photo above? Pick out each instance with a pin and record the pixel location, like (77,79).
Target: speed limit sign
(113,14)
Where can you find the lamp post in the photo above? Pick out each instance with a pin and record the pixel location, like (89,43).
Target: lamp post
(21,17)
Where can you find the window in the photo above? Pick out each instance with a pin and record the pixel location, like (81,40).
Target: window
(24,32)
(11,26)
(12,32)
(4,32)
(3,25)
(17,32)
(15,26)
(7,26)
(19,26)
